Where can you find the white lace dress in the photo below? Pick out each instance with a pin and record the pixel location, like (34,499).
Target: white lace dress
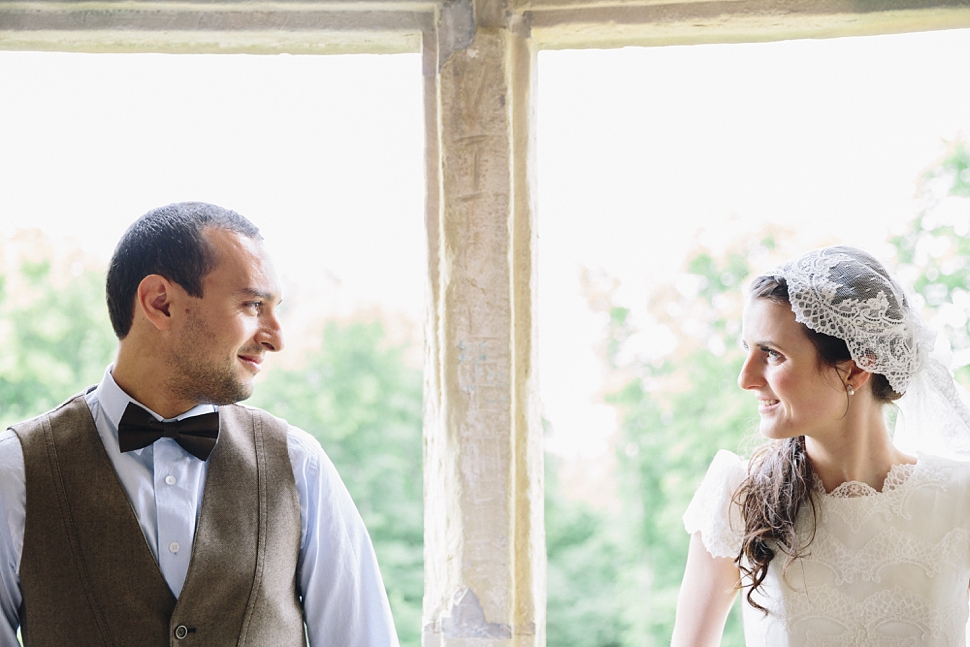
(888,568)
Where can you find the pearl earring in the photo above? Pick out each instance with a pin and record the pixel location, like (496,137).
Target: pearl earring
(849,389)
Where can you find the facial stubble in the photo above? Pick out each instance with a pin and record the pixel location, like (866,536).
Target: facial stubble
(200,378)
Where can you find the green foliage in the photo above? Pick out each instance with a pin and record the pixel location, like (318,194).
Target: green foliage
(357,395)
(57,341)
(953,170)
(614,576)
(586,559)
(933,253)
(677,411)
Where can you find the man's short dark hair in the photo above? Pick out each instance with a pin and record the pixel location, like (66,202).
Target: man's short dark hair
(167,241)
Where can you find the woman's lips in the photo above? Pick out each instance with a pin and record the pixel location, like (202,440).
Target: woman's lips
(765,405)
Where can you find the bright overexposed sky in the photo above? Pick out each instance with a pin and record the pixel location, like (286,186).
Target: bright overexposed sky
(641,149)
(638,150)
(325,154)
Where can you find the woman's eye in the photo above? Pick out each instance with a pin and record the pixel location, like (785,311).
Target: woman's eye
(773,354)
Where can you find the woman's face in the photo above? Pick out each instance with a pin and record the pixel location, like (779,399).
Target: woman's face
(797,396)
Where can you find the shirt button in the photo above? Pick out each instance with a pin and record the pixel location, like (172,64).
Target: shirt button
(170,479)
(174,547)
(181,632)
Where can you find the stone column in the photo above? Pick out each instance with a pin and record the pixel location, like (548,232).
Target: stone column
(484,537)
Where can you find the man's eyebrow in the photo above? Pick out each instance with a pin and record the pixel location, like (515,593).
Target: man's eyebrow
(255,293)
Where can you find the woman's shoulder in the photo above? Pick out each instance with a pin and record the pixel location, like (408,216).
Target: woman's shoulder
(727,470)
(713,511)
(931,469)
(727,462)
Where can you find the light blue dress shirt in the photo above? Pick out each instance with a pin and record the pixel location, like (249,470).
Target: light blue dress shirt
(344,601)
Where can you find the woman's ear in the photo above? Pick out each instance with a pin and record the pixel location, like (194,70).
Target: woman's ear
(852,375)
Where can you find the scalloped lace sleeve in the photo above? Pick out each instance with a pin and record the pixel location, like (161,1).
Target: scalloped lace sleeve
(712,511)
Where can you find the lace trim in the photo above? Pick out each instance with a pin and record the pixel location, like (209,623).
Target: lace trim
(901,482)
(897,476)
(860,639)
(889,605)
(928,611)
(889,548)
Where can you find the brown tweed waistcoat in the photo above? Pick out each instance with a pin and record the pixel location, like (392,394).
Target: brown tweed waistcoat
(89,578)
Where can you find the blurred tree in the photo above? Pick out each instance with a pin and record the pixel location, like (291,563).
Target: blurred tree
(586,559)
(933,252)
(672,377)
(362,401)
(57,340)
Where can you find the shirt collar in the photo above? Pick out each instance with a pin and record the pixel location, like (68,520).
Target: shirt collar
(113,401)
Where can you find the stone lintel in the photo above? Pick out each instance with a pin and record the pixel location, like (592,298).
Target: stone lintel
(742,21)
(385,26)
(214,27)
(686,9)
(249,42)
(165,17)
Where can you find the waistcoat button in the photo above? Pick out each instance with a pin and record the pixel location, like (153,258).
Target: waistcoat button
(181,632)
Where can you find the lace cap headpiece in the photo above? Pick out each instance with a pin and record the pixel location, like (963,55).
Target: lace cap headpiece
(844,292)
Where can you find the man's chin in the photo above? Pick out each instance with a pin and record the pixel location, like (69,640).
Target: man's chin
(242,391)
(230,394)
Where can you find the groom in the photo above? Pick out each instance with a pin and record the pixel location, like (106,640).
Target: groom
(152,510)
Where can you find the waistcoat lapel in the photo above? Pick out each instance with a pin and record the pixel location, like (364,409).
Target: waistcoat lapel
(86,568)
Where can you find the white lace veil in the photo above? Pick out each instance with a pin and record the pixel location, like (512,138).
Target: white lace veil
(846,293)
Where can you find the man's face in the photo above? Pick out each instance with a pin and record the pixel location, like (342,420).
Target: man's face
(226,333)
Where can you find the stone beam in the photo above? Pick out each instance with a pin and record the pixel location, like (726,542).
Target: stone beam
(216,27)
(484,537)
(561,24)
(383,26)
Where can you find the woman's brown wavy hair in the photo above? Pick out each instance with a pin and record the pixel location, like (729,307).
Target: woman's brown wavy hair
(780,475)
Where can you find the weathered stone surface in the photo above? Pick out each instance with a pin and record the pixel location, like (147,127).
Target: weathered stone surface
(485,578)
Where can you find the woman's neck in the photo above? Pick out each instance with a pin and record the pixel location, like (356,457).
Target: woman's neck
(861,452)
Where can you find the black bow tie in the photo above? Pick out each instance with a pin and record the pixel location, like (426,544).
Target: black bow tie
(197,435)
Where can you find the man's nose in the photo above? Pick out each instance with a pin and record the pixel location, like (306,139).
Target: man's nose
(270,335)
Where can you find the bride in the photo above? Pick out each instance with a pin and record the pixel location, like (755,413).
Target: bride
(833,534)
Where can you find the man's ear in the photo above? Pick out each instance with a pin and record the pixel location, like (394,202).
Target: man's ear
(154,299)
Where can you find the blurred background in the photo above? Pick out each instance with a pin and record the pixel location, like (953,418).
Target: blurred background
(666,177)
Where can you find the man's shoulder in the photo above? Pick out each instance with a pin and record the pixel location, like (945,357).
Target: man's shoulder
(68,407)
